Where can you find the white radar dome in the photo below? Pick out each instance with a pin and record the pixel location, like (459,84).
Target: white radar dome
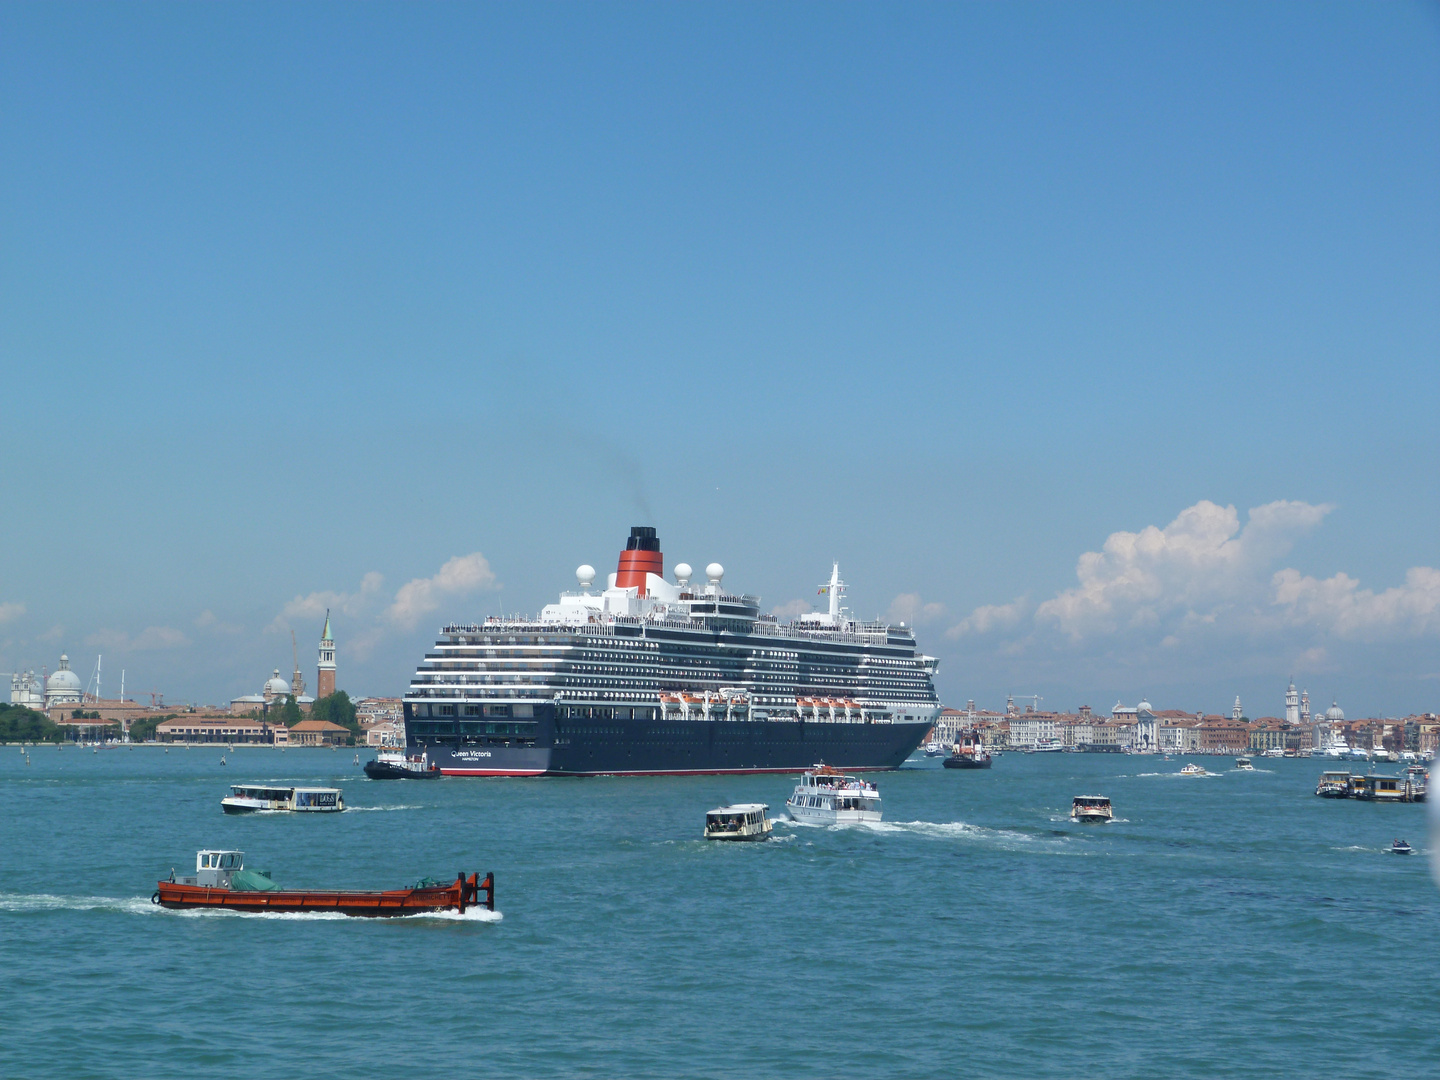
(714,572)
(683,573)
(585,575)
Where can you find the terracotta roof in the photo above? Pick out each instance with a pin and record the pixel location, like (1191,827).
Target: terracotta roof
(318,725)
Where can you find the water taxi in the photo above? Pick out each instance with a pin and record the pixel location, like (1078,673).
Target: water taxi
(1193,770)
(221,881)
(825,796)
(1243,764)
(1046,746)
(397,765)
(742,821)
(249,798)
(1333,785)
(1091,809)
(934,748)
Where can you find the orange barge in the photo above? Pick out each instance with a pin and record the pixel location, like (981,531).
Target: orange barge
(221,881)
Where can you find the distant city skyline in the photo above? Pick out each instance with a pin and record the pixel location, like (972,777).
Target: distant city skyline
(1096,342)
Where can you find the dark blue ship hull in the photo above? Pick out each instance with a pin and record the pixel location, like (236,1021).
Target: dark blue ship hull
(669,747)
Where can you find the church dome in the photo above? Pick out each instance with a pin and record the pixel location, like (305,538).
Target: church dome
(1144,706)
(275,685)
(63,679)
(1334,712)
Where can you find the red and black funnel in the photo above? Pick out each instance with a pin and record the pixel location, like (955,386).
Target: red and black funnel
(640,557)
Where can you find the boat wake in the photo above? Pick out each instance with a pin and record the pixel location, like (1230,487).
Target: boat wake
(358,809)
(935,830)
(21,904)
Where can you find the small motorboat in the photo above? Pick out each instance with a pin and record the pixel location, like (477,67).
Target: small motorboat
(221,881)
(934,748)
(1193,770)
(1091,809)
(1243,764)
(396,765)
(742,821)
(1400,847)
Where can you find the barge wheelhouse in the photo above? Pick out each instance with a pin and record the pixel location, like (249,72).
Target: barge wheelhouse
(650,676)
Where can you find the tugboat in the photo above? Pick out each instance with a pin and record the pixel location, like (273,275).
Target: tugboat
(1400,847)
(221,881)
(825,796)
(395,765)
(742,821)
(968,753)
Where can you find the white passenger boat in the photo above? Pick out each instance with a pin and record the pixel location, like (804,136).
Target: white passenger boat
(826,796)
(742,821)
(1193,770)
(249,798)
(1046,746)
(1243,764)
(1091,809)
(1274,751)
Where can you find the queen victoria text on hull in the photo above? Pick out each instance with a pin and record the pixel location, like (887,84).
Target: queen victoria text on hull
(647,676)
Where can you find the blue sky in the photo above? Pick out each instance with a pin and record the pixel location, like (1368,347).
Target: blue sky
(303,304)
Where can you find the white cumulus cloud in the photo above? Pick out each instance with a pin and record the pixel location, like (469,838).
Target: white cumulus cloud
(989,618)
(1339,605)
(313,606)
(460,576)
(11,610)
(791,608)
(1200,561)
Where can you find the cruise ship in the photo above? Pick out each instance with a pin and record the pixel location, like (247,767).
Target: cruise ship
(650,676)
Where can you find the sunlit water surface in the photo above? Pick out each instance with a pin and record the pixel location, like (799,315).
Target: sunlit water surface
(1232,925)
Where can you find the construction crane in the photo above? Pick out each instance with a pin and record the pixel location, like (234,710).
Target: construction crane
(1034,700)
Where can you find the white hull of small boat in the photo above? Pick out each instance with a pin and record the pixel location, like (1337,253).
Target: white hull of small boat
(813,815)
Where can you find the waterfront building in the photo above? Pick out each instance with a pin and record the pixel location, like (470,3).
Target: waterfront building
(1033,728)
(63,686)
(1145,739)
(318,733)
(27,691)
(197,728)
(325,675)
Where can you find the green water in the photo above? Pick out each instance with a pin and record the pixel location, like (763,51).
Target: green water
(1232,925)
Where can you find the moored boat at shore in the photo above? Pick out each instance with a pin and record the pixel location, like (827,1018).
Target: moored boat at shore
(221,882)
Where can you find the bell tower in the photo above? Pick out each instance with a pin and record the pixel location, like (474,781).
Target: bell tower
(325,676)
